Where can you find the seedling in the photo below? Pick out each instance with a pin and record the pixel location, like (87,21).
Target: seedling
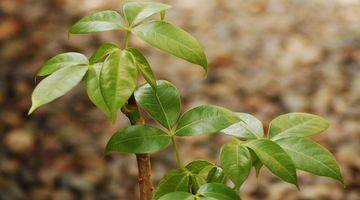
(110,77)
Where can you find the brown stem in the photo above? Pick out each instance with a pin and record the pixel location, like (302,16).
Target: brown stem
(131,110)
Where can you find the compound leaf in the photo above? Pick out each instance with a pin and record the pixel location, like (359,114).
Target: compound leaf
(218,191)
(93,89)
(135,12)
(100,21)
(102,52)
(173,40)
(56,85)
(62,60)
(235,159)
(118,79)
(174,180)
(249,127)
(143,66)
(275,159)
(162,105)
(138,139)
(205,119)
(296,124)
(311,157)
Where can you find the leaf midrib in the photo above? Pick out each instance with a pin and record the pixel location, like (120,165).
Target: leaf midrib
(275,137)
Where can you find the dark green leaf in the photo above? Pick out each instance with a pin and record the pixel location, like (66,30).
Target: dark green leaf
(101,21)
(135,12)
(118,80)
(173,40)
(216,175)
(199,167)
(93,89)
(249,127)
(174,180)
(62,60)
(311,157)
(296,124)
(138,139)
(205,119)
(218,191)
(163,106)
(143,66)
(256,162)
(178,196)
(196,182)
(56,85)
(102,52)
(275,159)
(235,159)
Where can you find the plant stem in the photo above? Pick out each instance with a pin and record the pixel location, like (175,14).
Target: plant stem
(127,38)
(131,110)
(177,153)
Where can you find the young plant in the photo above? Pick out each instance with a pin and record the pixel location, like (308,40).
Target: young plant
(110,77)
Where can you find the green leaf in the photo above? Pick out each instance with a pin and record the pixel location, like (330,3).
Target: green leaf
(178,196)
(196,182)
(118,80)
(205,119)
(143,66)
(138,139)
(62,60)
(163,105)
(256,162)
(199,167)
(174,180)
(135,12)
(100,21)
(275,159)
(93,89)
(250,127)
(296,124)
(102,52)
(56,85)
(216,175)
(235,159)
(173,40)
(311,157)
(218,191)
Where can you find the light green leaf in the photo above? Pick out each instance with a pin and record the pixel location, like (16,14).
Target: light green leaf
(102,52)
(62,60)
(118,80)
(100,21)
(173,40)
(178,196)
(235,159)
(296,124)
(205,119)
(216,175)
(135,12)
(174,180)
(218,191)
(56,85)
(250,127)
(163,106)
(311,157)
(199,167)
(93,89)
(143,66)
(138,139)
(275,159)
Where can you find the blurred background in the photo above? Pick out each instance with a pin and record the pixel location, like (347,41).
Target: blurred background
(266,58)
